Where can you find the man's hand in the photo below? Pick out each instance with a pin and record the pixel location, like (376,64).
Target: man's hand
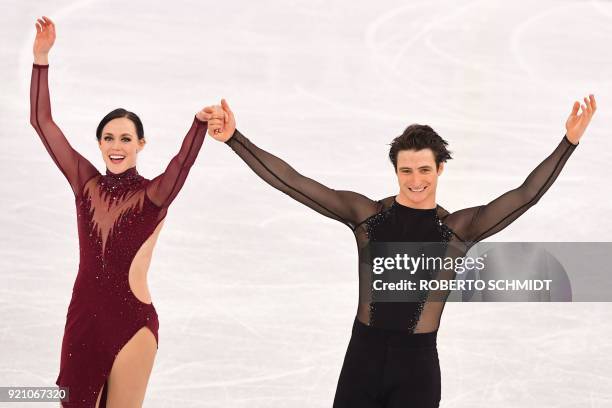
(577,123)
(221,121)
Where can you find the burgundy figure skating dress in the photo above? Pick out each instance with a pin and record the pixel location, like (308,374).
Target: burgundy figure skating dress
(119,217)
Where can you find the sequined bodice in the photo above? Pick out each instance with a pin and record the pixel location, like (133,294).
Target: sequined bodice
(115,217)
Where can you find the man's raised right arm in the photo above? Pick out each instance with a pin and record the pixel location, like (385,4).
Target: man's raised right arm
(347,207)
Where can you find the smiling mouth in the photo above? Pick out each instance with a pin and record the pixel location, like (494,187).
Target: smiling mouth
(116,158)
(417,190)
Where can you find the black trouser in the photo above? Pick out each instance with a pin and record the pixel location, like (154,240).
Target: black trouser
(389,369)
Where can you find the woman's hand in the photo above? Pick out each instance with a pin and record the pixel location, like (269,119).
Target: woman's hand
(221,121)
(45,37)
(202,115)
(577,123)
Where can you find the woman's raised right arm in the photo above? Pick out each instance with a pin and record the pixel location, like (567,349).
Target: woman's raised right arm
(74,166)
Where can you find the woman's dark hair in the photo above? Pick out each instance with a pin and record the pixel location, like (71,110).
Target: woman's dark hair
(120,113)
(419,137)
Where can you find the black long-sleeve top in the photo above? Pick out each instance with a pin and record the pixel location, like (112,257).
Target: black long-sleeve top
(386,220)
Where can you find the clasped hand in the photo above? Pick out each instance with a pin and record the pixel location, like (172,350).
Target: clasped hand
(221,121)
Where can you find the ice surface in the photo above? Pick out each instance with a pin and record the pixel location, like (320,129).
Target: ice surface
(256,294)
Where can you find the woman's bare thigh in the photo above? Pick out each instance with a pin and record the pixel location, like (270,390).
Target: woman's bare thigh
(131,369)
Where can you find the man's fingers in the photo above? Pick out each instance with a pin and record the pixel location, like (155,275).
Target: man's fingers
(587,102)
(226,107)
(218,116)
(575,109)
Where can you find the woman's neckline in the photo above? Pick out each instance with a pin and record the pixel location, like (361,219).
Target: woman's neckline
(129,172)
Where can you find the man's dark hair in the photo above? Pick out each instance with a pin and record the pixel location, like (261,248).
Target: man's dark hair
(120,113)
(419,137)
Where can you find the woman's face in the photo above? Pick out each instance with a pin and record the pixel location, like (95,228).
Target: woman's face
(120,145)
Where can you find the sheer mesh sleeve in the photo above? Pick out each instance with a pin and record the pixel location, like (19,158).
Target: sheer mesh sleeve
(74,166)
(345,206)
(163,189)
(477,223)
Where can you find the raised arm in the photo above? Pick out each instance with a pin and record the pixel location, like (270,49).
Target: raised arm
(74,166)
(477,223)
(345,206)
(163,189)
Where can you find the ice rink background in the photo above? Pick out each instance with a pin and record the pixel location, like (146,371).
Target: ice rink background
(255,293)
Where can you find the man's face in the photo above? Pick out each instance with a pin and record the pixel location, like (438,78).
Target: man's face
(417,176)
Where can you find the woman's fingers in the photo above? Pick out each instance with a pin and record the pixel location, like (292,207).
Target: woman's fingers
(45,24)
(593,102)
(211,116)
(52,26)
(215,109)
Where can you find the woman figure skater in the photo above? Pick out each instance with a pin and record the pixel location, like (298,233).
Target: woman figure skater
(392,359)
(110,339)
